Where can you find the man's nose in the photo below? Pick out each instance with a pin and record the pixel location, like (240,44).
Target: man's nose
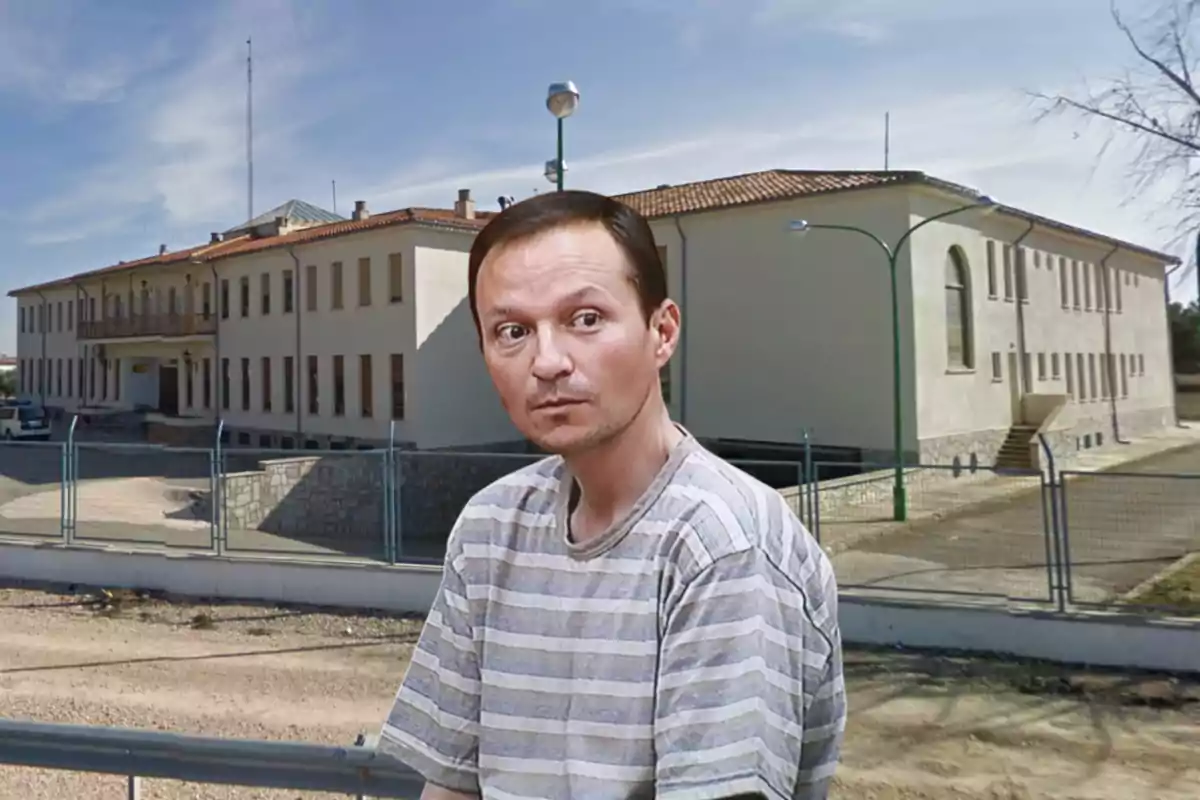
(551,360)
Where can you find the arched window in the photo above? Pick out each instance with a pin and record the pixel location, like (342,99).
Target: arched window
(958,311)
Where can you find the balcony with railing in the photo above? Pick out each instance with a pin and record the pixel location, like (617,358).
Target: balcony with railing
(162,325)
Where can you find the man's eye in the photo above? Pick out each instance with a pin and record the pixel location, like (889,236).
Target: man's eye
(510,333)
(587,319)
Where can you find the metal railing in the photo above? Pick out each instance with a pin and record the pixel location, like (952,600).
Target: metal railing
(1046,537)
(169,324)
(358,771)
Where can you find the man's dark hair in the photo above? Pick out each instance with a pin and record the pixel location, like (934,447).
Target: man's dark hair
(547,212)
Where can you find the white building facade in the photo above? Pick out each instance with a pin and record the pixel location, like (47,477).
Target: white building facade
(785,333)
(336,334)
(303,331)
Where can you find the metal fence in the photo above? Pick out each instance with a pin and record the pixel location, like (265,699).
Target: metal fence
(356,771)
(1125,540)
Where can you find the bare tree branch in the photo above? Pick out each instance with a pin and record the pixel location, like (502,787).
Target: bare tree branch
(1156,104)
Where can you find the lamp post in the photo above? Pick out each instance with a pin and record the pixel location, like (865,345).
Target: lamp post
(561,100)
(892,253)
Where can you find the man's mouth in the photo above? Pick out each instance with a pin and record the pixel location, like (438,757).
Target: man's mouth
(557,402)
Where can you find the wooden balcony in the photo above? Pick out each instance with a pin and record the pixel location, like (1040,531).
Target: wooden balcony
(163,325)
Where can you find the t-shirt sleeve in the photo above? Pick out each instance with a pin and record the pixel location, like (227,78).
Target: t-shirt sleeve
(751,699)
(433,726)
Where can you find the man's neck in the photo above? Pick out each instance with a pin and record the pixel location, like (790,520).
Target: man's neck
(612,477)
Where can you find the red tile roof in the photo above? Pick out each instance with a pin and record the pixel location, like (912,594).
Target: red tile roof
(710,195)
(755,187)
(242,245)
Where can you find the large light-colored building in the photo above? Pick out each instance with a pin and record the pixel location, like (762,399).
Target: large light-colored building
(300,327)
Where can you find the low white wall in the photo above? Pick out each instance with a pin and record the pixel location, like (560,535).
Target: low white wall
(276,579)
(1093,639)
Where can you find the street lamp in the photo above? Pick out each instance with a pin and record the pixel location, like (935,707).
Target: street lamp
(800,227)
(551,171)
(561,100)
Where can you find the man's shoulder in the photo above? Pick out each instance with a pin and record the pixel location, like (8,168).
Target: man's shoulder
(724,511)
(523,498)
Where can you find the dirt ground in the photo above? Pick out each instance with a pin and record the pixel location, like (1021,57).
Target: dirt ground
(922,727)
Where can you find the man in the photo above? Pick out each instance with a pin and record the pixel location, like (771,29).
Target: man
(633,617)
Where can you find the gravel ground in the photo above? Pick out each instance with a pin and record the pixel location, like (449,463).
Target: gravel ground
(922,727)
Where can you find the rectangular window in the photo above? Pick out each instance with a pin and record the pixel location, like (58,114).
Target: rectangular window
(225,383)
(189,384)
(116,379)
(395,278)
(1093,387)
(1124,378)
(1063,293)
(58,368)
(59,314)
(1117,285)
(206,382)
(366,386)
(1041,362)
(364,281)
(1008,272)
(80,385)
(339,386)
(289,288)
(310,288)
(1101,288)
(70,373)
(397,386)
(245,297)
(335,285)
(1081,374)
(224,299)
(265,291)
(1069,363)
(1141,356)
(997,367)
(22,318)
(1055,372)
(104,379)
(1022,275)
(314,399)
(289,385)
(991,269)
(1075,295)
(1087,286)
(40,318)
(1104,390)
(266,383)
(206,300)
(91,377)
(245,384)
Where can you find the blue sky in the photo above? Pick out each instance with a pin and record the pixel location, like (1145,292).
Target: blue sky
(122,122)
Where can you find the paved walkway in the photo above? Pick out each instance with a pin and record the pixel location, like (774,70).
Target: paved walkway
(1131,510)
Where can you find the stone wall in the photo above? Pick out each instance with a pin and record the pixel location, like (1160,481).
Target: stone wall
(983,445)
(324,498)
(339,498)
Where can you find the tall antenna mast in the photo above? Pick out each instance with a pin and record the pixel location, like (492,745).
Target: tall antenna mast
(887,139)
(249,130)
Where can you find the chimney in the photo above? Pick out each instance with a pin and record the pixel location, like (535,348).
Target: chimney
(464,207)
(360,211)
(162,249)
(214,238)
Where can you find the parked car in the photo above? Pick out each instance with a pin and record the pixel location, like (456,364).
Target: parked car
(24,422)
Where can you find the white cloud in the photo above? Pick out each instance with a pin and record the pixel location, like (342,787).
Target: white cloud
(183,148)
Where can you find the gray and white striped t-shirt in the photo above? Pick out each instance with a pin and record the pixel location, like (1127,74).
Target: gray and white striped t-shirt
(691,651)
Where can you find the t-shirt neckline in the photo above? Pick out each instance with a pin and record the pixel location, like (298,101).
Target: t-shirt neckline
(605,541)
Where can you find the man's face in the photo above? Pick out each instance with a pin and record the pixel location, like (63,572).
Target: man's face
(565,338)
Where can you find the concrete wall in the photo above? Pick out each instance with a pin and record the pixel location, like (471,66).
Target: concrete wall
(1091,639)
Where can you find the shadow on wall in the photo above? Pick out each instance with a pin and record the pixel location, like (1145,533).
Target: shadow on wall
(336,501)
(453,401)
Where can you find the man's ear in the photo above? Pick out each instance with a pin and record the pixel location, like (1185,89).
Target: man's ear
(667,324)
